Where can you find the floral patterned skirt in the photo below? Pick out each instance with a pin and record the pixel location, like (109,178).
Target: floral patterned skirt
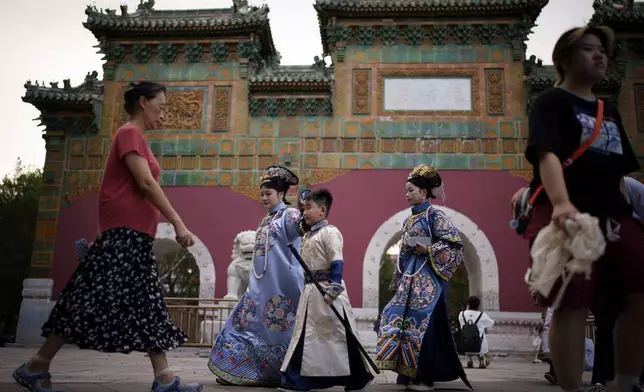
(113,301)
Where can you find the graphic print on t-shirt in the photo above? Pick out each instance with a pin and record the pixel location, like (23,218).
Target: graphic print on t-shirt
(608,141)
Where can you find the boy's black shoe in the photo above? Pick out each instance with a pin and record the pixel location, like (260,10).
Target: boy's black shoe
(287,388)
(551,378)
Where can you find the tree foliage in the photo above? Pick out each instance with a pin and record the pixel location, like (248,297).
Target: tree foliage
(19,198)
(178,274)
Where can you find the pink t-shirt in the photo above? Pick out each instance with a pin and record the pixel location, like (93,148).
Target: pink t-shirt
(120,202)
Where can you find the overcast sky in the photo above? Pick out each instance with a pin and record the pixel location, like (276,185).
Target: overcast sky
(45,40)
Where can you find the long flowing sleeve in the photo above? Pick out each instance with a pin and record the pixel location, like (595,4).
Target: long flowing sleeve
(446,253)
(292,219)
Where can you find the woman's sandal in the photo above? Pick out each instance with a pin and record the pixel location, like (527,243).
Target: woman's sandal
(176,386)
(32,382)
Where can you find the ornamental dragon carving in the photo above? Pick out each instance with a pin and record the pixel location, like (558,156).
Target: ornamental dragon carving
(184,110)
(239,268)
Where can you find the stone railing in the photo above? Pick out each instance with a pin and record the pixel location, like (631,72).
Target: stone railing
(201,319)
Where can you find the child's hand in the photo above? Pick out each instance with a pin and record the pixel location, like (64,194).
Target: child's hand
(421,249)
(328,299)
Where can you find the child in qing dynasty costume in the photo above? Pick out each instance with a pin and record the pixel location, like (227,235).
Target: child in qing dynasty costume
(415,339)
(322,354)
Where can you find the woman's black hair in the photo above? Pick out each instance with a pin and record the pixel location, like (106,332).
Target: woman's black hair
(474,302)
(427,183)
(278,185)
(136,90)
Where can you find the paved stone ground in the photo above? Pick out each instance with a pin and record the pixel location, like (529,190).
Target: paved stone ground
(87,371)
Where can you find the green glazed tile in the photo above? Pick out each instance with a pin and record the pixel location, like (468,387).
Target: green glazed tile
(477,163)
(167,178)
(169,147)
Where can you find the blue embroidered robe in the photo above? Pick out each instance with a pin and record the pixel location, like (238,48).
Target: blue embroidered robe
(414,338)
(250,348)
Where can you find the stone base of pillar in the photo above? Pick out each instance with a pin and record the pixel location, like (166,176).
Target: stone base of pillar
(34,311)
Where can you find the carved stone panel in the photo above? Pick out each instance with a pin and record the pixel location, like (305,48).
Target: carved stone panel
(221,117)
(639,106)
(184,110)
(361,91)
(495,92)
(429,91)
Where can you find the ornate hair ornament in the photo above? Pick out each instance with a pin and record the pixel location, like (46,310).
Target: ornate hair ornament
(429,173)
(426,171)
(303,195)
(273,173)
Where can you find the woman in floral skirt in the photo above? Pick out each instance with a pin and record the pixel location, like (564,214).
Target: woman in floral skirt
(113,301)
(251,347)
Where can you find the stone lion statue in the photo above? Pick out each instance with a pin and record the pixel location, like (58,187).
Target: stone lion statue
(239,268)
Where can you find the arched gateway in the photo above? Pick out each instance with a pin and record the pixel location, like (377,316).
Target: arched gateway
(479,258)
(199,251)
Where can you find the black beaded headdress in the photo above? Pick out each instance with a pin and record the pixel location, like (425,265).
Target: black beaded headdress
(273,173)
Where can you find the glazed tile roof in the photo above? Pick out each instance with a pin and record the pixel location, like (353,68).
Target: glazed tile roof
(91,89)
(146,21)
(429,9)
(305,77)
(154,21)
(449,6)
(619,13)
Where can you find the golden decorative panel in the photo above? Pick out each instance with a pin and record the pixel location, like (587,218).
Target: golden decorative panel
(321,176)
(221,119)
(361,91)
(495,92)
(250,191)
(472,74)
(184,110)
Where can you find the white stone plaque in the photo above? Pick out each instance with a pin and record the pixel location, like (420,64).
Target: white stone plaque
(428,94)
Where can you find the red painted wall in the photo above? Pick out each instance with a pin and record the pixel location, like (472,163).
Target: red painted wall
(364,199)
(214,214)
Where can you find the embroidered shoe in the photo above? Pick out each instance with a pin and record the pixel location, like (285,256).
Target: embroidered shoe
(176,386)
(32,382)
